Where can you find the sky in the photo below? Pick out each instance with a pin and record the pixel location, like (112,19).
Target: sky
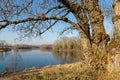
(14,38)
(48,37)
(51,36)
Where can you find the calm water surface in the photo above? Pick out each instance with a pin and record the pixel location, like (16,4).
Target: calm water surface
(21,59)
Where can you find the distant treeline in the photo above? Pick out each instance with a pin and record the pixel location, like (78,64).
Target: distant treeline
(3,44)
(67,44)
(6,47)
(62,44)
(46,47)
(24,46)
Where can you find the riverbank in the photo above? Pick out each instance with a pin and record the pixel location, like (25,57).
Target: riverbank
(60,72)
(75,71)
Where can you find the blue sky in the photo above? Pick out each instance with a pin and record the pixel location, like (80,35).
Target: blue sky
(50,36)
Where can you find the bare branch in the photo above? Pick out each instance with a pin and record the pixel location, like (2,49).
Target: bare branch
(42,17)
(54,8)
(25,7)
(67,29)
(48,27)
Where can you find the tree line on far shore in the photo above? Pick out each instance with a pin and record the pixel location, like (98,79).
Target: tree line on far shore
(63,44)
(67,44)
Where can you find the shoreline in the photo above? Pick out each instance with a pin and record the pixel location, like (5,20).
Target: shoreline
(43,71)
(73,71)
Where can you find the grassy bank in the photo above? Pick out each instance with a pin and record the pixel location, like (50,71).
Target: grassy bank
(75,71)
(58,72)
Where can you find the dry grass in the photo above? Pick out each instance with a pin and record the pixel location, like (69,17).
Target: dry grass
(60,72)
(75,71)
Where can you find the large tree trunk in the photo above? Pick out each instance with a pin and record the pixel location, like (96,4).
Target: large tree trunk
(96,19)
(115,45)
(116,19)
(97,55)
(99,37)
(85,42)
(84,39)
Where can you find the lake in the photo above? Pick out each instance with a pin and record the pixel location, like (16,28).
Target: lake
(21,59)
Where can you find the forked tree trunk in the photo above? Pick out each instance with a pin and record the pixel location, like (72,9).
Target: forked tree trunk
(99,37)
(96,19)
(97,54)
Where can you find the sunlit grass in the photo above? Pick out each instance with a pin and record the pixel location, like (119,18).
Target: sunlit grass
(75,71)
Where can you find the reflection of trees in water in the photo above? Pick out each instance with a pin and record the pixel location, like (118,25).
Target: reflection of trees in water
(14,62)
(3,55)
(68,56)
(22,50)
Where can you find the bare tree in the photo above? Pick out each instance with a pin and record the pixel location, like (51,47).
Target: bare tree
(34,17)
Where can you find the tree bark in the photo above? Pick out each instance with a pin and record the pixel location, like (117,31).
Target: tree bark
(84,31)
(116,19)
(84,40)
(96,19)
(99,37)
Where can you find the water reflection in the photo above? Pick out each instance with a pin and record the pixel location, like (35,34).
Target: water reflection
(14,62)
(18,60)
(3,55)
(68,56)
(22,50)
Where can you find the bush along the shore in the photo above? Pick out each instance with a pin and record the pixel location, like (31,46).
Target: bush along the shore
(66,44)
